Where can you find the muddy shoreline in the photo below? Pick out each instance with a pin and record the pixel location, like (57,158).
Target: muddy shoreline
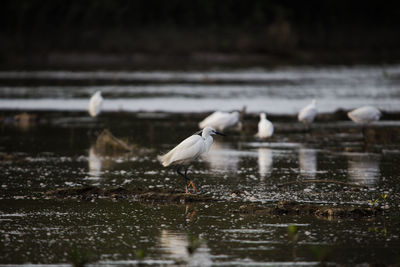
(160,196)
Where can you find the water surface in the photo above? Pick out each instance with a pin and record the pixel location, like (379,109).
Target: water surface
(59,152)
(276,91)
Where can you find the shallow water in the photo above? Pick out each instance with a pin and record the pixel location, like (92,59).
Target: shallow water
(276,91)
(58,152)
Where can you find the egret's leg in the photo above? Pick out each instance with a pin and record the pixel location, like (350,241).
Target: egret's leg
(184,176)
(190,181)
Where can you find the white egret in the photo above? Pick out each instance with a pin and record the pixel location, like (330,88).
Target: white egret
(187,151)
(265,127)
(221,120)
(95,104)
(308,113)
(364,115)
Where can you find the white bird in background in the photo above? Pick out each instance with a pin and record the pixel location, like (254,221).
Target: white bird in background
(265,127)
(308,113)
(187,151)
(221,120)
(364,115)
(95,104)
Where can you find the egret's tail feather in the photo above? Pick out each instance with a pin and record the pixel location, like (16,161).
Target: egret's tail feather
(164,159)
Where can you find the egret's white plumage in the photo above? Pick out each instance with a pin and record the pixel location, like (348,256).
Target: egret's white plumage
(95,104)
(221,120)
(364,115)
(308,113)
(265,127)
(189,150)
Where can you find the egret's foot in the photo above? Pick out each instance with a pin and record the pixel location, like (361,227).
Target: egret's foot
(193,186)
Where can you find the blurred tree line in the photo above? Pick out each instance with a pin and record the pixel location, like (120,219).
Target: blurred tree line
(309,31)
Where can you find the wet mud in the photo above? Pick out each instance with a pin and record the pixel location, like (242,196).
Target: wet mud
(141,195)
(287,207)
(283,207)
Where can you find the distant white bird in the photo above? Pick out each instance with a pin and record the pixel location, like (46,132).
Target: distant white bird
(364,115)
(265,127)
(308,113)
(95,104)
(187,151)
(221,120)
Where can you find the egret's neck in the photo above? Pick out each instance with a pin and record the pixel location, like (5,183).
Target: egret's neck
(205,135)
(208,142)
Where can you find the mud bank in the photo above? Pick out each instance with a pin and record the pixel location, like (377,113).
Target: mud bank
(288,207)
(284,207)
(142,195)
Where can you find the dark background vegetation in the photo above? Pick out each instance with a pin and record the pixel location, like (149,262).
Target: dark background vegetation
(184,33)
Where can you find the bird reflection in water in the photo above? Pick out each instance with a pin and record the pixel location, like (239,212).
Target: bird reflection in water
(363,169)
(95,164)
(98,162)
(222,157)
(308,162)
(185,249)
(264,162)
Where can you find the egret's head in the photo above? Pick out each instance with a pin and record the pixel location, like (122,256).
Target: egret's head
(314,101)
(210,131)
(98,93)
(263,116)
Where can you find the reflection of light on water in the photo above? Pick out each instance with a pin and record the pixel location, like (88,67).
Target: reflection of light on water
(94,162)
(222,157)
(176,246)
(308,162)
(264,161)
(363,169)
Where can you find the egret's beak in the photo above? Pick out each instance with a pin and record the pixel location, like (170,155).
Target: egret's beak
(219,133)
